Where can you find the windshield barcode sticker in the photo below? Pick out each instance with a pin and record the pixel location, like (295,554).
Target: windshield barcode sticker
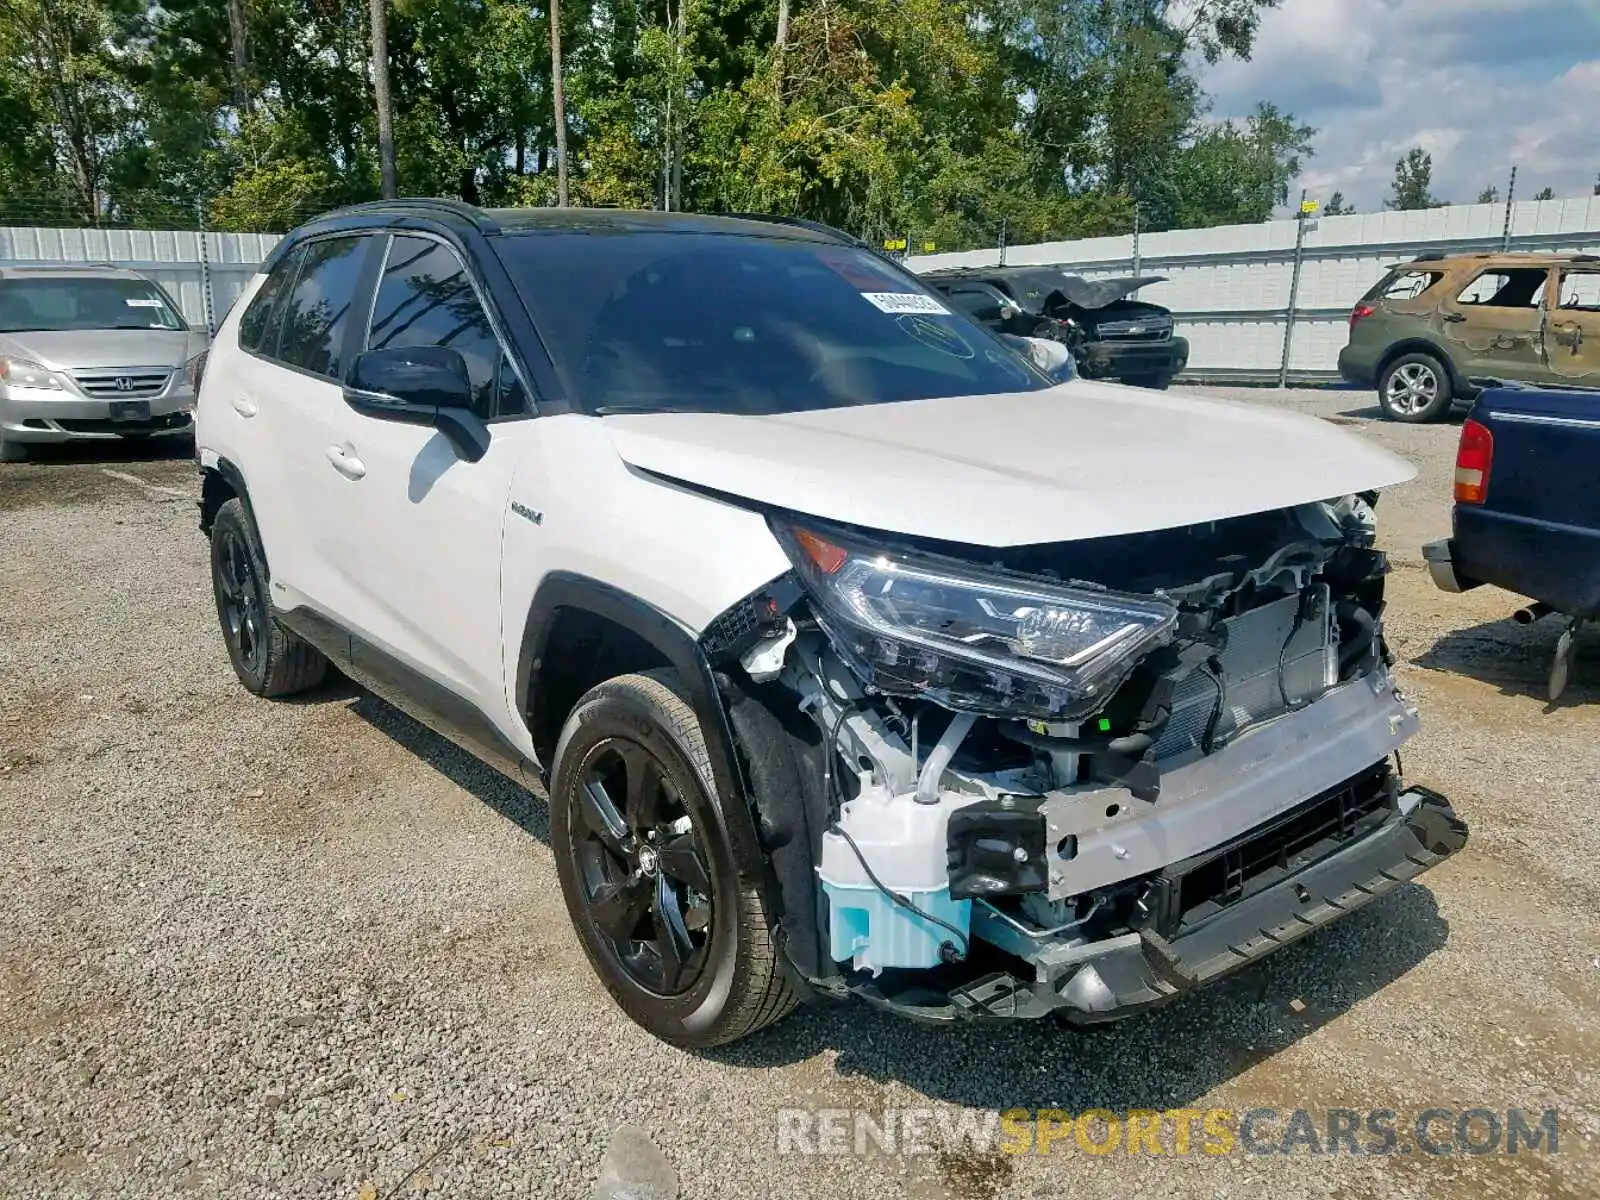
(903,302)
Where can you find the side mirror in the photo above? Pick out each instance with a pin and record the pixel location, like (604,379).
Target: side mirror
(419,385)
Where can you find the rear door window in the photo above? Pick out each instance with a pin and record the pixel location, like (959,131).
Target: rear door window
(318,312)
(1506,287)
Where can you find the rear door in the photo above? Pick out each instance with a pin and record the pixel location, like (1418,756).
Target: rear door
(296,383)
(1495,325)
(1573,339)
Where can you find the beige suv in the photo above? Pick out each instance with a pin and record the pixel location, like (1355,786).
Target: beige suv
(1434,325)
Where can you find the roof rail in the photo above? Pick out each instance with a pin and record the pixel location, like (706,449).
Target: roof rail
(437,205)
(800,223)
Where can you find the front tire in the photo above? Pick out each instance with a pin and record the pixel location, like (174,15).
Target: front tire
(650,883)
(267,658)
(1415,388)
(13,452)
(1158,383)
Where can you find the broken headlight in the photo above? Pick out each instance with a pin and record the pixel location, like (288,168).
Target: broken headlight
(972,639)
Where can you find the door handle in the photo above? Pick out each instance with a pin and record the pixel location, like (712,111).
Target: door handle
(346,463)
(245,406)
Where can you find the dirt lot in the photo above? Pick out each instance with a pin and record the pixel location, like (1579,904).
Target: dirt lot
(309,949)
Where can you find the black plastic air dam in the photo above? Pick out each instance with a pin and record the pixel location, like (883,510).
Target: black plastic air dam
(1119,976)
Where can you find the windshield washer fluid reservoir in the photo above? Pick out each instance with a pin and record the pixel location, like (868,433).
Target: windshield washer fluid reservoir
(904,843)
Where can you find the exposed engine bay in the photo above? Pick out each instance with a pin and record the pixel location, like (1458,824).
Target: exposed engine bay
(1075,777)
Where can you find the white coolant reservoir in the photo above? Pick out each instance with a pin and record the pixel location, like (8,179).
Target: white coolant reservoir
(904,843)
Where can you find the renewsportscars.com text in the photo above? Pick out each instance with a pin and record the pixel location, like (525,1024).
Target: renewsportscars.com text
(1179,1131)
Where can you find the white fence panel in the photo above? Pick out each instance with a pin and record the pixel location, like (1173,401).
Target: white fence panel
(204,278)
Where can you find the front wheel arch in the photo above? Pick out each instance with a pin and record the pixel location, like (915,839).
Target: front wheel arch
(652,639)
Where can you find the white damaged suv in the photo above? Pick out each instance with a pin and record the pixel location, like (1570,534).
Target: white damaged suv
(858,657)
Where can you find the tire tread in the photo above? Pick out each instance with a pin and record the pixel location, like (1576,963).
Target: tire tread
(292,664)
(764,995)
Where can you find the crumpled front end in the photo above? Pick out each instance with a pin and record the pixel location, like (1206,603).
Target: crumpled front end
(1077,777)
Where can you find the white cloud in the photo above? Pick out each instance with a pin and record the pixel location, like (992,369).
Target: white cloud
(1480,84)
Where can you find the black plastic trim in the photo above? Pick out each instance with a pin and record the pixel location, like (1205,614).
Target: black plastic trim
(441,709)
(561,590)
(235,480)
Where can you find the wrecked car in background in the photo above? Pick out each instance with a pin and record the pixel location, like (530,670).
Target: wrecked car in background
(1432,331)
(1110,335)
(858,657)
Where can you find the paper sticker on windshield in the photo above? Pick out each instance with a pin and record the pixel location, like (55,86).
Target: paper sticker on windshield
(904,302)
(143,303)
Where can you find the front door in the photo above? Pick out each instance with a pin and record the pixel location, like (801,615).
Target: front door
(1573,339)
(1496,324)
(424,555)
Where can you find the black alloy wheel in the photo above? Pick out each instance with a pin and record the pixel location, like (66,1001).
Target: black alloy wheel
(644,873)
(674,924)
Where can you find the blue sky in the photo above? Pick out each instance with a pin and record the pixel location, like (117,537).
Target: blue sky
(1480,84)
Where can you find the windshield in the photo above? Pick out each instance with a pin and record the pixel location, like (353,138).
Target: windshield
(706,322)
(84,302)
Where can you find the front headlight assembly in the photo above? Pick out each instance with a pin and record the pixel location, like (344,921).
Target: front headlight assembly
(983,641)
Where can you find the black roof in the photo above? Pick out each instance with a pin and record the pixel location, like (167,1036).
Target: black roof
(491,221)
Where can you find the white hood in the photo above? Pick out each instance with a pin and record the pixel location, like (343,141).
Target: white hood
(1080,460)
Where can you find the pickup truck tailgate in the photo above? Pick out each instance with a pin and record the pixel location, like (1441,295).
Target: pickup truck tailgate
(1537,533)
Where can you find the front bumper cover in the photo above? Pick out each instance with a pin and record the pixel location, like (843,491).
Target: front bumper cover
(36,415)
(1116,977)
(1116,359)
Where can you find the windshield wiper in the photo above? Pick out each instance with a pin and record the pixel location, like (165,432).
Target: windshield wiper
(622,410)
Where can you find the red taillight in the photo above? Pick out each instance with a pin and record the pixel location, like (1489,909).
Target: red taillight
(1474,457)
(1359,311)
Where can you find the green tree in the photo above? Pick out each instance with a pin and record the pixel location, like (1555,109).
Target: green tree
(1547,193)
(1237,172)
(1489,195)
(1337,206)
(1413,177)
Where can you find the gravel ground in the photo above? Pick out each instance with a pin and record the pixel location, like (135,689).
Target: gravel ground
(309,949)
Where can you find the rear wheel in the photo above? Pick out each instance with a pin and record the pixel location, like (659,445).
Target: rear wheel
(267,658)
(1414,388)
(649,881)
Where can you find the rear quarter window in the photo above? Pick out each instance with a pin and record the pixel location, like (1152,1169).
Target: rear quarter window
(1403,285)
(258,331)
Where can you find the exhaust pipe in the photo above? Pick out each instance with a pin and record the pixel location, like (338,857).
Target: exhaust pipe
(1527,616)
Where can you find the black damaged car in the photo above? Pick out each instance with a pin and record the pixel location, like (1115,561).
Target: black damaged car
(1111,335)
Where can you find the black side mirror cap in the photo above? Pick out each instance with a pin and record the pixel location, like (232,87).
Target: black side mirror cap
(419,385)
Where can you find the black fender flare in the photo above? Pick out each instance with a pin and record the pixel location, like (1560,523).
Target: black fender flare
(234,478)
(731,804)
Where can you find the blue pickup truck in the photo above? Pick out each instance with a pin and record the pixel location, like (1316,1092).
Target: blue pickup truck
(1527,507)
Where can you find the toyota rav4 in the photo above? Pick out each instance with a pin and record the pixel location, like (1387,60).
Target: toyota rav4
(856,655)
